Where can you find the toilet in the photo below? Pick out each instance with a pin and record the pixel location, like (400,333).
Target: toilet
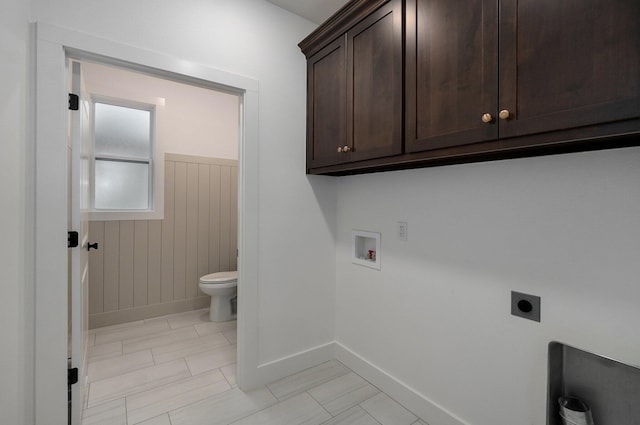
(223,289)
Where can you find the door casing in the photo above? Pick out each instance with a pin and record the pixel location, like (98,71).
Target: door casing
(53,46)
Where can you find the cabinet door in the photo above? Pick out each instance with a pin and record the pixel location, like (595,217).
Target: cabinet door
(568,64)
(326,105)
(451,73)
(374,84)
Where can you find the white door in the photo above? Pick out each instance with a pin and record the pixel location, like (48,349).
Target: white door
(80,145)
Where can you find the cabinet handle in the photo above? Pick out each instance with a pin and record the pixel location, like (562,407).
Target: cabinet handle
(487,118)
(504,114)
(346,149)
(339,149)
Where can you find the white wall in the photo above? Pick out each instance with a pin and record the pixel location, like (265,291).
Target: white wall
(190,120)
(296,213)
(437,317)
(14,302)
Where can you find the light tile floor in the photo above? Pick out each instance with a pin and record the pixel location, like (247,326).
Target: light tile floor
(180,370)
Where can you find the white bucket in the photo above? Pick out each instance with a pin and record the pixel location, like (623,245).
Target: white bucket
(574,411)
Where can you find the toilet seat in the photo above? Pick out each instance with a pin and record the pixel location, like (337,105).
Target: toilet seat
(221,279)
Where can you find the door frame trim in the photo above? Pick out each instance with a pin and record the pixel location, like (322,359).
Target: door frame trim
(53,45)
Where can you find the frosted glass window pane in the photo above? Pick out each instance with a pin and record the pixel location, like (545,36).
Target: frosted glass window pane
(120,131)
(121,185)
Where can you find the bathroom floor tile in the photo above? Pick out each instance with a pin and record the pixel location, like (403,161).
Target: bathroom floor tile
(224,408)
(232,336)
(158,420)
(153,402)
(181,349)
(343,393)
(388,411)
(107,329)
(354,416)
(139,343)
(114,366)
(128,332)
(212,359)
(181,370)
(157,319)
(229,372)
(307,379)
(139,380)
(297,410)
(105,351)
(189,318)
(214,327)
(112,413)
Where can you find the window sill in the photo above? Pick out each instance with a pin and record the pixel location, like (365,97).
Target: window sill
(125,215)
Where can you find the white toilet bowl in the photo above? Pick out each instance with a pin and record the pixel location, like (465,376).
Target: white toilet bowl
(223,288)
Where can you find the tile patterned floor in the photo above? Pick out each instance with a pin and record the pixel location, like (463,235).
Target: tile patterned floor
(180,370)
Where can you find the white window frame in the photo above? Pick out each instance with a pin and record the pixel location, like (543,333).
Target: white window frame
(156,188)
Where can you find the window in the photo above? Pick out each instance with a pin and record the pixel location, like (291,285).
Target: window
(123,156)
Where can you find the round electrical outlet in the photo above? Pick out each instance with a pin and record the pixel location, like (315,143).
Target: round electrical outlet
(525,306)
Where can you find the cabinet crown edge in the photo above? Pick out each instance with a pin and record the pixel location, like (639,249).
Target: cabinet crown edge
(337,24)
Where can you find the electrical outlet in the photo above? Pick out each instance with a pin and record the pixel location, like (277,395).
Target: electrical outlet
(402,230)
(525,305)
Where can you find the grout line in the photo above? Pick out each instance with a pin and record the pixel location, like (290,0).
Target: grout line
(184,359)
(86,402)
(274,396)
(227,338)
(225,377)
(253,413)
(363,378)
(214,396)
(126,411)
(367,412)
(361,408)
(317,401)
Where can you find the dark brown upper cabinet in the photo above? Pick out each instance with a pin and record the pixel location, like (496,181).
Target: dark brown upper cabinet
(327,105)
(562,65)
(452,73)
(354,90)
(374,84)
(568,64)
(483,80)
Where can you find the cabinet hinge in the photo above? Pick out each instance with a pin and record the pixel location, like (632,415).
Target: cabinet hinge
(72,239)
(72,376)
(74,102)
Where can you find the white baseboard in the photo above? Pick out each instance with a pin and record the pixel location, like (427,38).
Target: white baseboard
(109,318)
(297,362)
(417,403)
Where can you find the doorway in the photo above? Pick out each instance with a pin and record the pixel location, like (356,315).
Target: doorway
(53,47)
(144,306)
(150,259)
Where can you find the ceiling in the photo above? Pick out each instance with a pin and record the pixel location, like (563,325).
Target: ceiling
(314,10)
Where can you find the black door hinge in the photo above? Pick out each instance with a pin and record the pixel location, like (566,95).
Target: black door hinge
(72,239)
(74,102)
(72,376)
